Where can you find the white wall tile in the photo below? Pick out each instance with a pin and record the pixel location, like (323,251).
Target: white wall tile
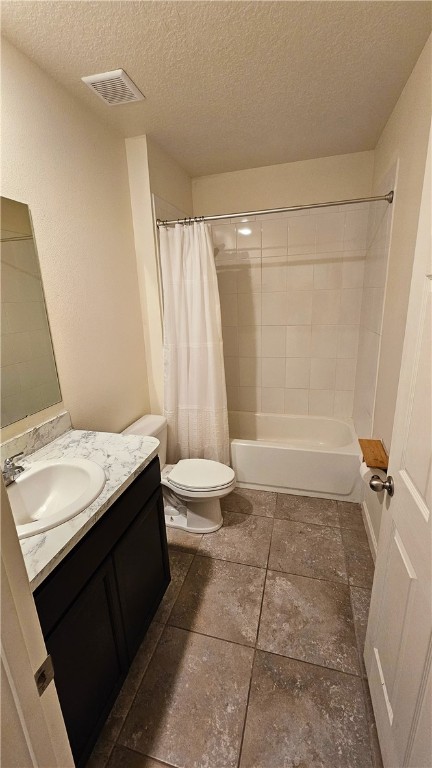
(296,401)
(10,379)
(350,306)
(272,400)
(229,309)
(297,373)
(298,308)
(249,340)
(298,340)
(326,306)
(249,371)
(275,233)
(353,269)
(302,235)
(343,404)
(330,230)
(17,347)
(328,273)
(249,308)
(356,227)
(249,276)
(248,235)
(323,372)
(274,274)
(299,277)
(273,341)
(345,373)
(324,340)
(348,341)
(224,237)
(274,309)
(232,398)
(227,280)
(321,402)
(273,372)
(291,311)
(249,399)
(230,341)
(232,371)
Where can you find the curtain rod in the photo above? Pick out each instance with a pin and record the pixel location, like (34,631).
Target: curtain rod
(388,198)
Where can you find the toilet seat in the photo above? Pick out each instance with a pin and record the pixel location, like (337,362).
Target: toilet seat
(200,476)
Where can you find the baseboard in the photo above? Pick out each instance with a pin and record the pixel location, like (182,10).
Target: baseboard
(373,544)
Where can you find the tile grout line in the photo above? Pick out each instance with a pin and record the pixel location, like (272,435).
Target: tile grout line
(163,624)
(162,763)
(360,664)
(278,570)
(265,568)
(181,587)
(263,650)
(254,653)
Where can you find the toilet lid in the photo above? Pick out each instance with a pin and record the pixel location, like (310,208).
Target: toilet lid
(200,475)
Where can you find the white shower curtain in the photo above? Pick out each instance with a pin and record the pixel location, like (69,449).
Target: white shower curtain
(195,403)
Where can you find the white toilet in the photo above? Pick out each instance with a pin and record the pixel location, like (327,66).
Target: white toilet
(192,488)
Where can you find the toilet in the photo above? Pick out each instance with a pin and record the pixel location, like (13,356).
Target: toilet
(192,488)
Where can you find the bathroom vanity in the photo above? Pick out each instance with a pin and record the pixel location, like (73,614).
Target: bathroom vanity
(99,578)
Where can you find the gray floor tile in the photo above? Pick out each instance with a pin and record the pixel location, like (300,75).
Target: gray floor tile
(306,716)
(122,704)
(99,758)
(221,599)
(188,542)
(190,708)
(250,502)
(310,620)
(373,735)
(307,550)
(360,565)
(179,564)
(122,757)
(350,515)
(242,539)
(306,509)
(360,600)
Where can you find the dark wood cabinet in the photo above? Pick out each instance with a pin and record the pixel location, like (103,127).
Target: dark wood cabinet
(97,604)
(140,571)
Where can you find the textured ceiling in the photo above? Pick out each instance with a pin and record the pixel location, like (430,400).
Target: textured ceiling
(232,85)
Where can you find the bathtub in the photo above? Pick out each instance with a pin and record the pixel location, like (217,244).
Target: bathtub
(305,455)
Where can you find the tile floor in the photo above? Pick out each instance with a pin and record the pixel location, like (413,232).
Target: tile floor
(254,658)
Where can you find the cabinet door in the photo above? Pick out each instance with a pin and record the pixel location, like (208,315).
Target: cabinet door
(142,570)
(89,660)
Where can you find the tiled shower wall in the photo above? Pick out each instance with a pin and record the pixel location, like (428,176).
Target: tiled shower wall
(371,317)
(291,297)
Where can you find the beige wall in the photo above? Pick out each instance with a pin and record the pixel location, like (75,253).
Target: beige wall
(72,172)
(167,179)
(404,139)
(153,173)
(306,181)
(403,143)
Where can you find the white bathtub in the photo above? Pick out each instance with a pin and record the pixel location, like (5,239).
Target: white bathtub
(307,455)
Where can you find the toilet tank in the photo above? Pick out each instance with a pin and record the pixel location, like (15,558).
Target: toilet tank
(154,426)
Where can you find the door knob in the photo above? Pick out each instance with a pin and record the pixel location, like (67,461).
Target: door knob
(378,485)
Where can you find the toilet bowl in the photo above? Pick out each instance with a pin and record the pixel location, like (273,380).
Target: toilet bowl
(192,488)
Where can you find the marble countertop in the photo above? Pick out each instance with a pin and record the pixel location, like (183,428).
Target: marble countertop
(122,458)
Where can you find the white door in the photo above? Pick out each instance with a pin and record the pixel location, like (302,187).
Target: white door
(33,734)
(398,644)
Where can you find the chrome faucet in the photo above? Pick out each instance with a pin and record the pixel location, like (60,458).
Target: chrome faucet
(11,470)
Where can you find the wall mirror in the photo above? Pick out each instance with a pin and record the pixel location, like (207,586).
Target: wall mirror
(29,381)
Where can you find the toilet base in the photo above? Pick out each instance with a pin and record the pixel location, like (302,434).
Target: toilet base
(193,516)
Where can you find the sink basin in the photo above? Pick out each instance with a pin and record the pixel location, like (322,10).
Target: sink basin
(51,492)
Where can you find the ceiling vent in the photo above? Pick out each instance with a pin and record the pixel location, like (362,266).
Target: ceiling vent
(114,87)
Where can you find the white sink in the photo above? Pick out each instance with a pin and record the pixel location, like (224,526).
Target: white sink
(51,492)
